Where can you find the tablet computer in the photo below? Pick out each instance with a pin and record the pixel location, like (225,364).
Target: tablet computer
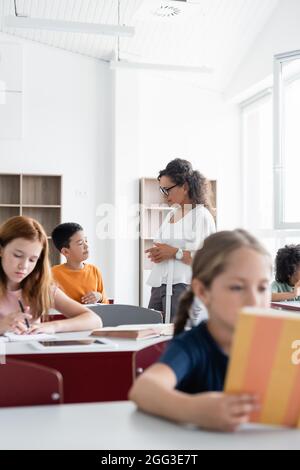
(71,342)
(87,343)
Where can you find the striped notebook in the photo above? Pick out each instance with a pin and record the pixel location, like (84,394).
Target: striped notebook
(265,360)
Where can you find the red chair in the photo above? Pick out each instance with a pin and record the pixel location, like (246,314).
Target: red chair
(144,358)
(56,317)
(27,384)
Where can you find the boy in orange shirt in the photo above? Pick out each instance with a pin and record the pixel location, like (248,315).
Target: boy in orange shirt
(79,280)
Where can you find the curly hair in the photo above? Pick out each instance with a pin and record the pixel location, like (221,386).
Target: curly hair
(287,263)
(181,172)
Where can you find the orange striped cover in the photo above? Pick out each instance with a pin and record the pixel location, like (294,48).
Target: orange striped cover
(264,362)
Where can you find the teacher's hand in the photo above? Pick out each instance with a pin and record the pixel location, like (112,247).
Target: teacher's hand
(161,252)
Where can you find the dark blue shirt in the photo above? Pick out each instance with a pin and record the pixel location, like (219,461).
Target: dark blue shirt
(197,361)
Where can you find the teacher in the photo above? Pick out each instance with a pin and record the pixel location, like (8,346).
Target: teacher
(183,231)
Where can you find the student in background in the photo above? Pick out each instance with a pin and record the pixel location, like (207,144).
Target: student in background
(79,280)
(231,271)
(180,235)
(25,280)
(287,283)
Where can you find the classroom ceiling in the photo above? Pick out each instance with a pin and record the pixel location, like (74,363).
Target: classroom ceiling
(214,33)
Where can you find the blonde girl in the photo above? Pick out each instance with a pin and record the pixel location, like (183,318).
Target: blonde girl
(231,271)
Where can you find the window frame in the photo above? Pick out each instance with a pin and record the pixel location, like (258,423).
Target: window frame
(253,100)
(278,125)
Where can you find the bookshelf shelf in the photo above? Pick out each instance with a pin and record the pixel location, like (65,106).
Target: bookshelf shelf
(36,196)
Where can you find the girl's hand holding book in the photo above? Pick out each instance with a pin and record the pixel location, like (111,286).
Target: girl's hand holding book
(220,412)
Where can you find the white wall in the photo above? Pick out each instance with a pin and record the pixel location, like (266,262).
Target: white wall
(128,160)
(180,120)
(280,34)
(67,121)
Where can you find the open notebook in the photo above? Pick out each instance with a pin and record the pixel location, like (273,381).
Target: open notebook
(136,331)
(12,337)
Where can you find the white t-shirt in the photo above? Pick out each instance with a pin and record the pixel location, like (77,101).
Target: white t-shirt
(188,234)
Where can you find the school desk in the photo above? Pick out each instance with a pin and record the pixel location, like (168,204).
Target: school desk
(91,374)
(119,425)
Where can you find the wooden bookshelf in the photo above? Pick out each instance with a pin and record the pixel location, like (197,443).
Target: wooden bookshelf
(36,196)
(153,212)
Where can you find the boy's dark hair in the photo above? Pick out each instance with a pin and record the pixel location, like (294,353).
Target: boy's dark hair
(287,262)
(62,233)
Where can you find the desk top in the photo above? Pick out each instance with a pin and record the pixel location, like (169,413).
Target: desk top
(117,345)
(119,426)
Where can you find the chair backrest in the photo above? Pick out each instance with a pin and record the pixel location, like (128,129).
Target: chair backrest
(114,315)
(27,384)
(144,358)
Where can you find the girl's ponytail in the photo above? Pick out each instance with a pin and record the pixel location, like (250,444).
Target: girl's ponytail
(183,311)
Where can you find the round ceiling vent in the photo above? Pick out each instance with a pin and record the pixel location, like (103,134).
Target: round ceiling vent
(167,11)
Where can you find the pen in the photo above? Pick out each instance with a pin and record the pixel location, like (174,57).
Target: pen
(23,311)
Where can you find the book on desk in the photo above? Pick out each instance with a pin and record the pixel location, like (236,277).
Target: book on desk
(265,361)
(292,305)
(136,332)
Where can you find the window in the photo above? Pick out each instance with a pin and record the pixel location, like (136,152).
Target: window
(270,178)
(257,181)
(287,140)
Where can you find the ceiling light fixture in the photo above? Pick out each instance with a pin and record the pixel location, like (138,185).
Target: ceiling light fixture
(67,26)
(123,64)
(25,22)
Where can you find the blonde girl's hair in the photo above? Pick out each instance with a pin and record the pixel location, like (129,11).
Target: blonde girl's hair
(211,261)
(36,288)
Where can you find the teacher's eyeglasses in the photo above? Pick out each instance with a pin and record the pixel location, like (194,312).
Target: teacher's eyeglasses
(166,191)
